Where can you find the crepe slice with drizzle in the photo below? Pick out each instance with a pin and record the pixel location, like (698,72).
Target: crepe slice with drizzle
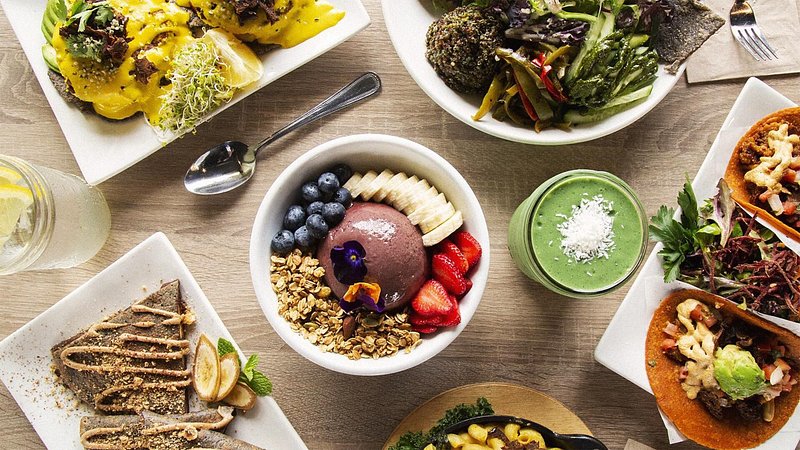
(134,360)
(155,432)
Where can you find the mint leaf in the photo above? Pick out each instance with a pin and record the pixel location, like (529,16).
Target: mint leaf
(260,384)
(224,347)
(250,367)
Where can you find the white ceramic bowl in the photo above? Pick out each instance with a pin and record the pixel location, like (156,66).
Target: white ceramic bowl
(407,22)
(365,152)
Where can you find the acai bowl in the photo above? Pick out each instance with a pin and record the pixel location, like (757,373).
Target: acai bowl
(389,283)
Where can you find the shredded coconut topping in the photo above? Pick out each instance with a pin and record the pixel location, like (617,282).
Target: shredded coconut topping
(587,234)
(378,228)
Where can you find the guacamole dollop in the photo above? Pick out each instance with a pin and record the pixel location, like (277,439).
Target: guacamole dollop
(738,373)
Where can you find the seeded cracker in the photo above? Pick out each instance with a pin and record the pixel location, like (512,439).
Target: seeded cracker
(692,25)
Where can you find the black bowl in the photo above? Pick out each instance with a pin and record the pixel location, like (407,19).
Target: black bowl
(551,438)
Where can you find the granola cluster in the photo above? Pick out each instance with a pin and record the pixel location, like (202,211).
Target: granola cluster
(305,301)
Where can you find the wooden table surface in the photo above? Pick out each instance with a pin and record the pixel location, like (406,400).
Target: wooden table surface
(521,333)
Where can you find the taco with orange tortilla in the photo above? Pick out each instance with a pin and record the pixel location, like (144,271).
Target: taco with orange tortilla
(725,377)
(764,171)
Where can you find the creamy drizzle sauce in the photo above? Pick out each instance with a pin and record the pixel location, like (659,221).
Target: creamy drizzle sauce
(697,345)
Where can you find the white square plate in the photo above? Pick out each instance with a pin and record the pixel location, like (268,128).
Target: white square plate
(621,348)
(103,148)
(25,359)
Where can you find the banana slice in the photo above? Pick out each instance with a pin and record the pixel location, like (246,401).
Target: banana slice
(368,178)
(352,182)
(427,208)
(384,191)
(441,232)
(438,217)
(206,373)
(418,200)
(376,184)
(417,190)
(241,397)
(229,374)
(401,190)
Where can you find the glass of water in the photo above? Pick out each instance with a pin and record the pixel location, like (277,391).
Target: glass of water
(48,219)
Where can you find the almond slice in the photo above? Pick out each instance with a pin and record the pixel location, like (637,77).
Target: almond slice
(206,373)
(241,397)
(229,374)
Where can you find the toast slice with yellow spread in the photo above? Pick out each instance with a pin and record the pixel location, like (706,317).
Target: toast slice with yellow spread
(134,360)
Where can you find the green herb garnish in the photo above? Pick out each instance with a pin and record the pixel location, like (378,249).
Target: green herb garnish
(415,440)
(248,374)
(678,237)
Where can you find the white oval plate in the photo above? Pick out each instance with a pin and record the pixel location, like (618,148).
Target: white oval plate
(408,21)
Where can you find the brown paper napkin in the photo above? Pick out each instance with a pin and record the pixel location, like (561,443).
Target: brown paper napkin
(721,57)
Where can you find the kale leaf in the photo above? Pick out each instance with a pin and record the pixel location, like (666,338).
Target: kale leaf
(416,440)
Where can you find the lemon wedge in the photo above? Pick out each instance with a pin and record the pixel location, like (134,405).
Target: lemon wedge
(14,201)
(8,176)
(242,66)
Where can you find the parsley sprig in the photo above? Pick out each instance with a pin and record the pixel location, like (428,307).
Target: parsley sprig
(248,374)
(678,237)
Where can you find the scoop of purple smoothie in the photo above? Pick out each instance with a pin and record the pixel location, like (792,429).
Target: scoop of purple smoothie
(395,256)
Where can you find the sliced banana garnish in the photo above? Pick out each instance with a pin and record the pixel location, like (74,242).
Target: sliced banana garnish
(437,217)
(420,213)
(229,374)
(206,373)
(439,233)
(390,186)
(376,184)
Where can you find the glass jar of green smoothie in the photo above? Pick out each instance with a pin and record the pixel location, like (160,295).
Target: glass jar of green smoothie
(582,233)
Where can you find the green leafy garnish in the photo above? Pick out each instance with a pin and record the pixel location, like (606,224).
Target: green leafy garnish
(249,375)
(83,11)
(677,237)
(415,440)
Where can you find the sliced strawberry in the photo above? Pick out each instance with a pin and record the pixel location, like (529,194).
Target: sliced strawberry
(469,246)
(425,329)
(469,286)
(453,252)
(445,271)
(452,319)
(432,300)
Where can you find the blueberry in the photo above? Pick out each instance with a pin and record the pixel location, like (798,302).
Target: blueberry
(316,226)
(328,183)
(303,238)
(333,213)
(295,218)
(343,172)
(314,208)
(343,197)
(311,192)
(283,242)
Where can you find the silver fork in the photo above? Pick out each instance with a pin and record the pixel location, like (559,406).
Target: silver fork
(746,31)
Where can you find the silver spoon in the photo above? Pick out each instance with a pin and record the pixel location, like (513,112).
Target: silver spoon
(230,164)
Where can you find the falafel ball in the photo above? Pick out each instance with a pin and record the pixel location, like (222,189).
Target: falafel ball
(460,46)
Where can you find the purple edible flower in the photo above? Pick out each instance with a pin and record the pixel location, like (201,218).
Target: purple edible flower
(367,295)
(349,266)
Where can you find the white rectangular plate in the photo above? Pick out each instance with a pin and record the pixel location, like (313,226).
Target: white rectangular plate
(103,148)
(25,359)
(621,348)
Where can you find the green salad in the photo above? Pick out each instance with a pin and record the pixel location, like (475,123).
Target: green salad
(549,63)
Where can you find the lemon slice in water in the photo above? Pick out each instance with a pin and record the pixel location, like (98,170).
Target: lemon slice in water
(8,176)
(242,66)
(14,201)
